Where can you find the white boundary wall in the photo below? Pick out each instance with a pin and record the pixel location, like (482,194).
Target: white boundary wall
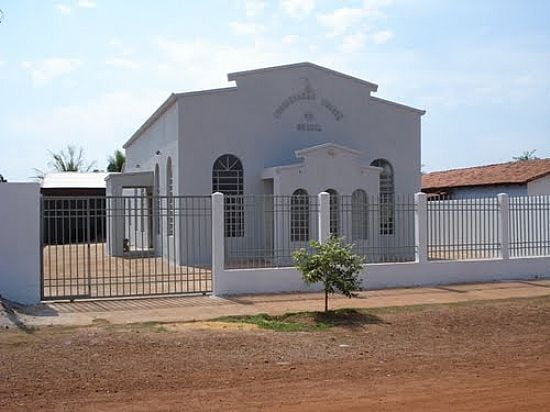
(377,276)
(20,242)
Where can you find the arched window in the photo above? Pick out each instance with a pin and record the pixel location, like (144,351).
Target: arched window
(227,178)
(334,225)
(359,215)
(169,198)
(386,196)
(156,198)
(299,216)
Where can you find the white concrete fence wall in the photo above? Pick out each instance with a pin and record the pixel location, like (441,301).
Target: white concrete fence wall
(20,256)
(20,242)
(422,272)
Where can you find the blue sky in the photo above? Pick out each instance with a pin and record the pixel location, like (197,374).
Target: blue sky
(89,72)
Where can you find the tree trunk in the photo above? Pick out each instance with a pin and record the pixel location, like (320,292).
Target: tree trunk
(326,301)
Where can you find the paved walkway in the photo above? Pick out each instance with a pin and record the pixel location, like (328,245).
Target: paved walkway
(190,308)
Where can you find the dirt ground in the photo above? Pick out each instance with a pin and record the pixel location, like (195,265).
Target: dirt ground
(492,356)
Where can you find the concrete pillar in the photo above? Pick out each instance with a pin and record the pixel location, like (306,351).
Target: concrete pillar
(115,220)
(324,217)
(218,252)
(503,219)
(421,227)
(20,242)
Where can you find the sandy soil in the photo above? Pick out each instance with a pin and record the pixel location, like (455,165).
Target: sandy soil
(490,356)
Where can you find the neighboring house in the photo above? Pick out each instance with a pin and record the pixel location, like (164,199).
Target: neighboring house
(73,207)
(291,130)
(519,178)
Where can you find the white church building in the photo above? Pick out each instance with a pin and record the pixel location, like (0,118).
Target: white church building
(292,130)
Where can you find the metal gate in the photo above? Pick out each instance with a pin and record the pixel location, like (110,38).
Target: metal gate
(131,245)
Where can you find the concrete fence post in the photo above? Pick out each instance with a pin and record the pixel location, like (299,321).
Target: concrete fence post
(218,252)
(503,219)
(421,227)
(324,217)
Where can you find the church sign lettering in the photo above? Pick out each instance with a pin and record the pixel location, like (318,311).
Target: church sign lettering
(308,94)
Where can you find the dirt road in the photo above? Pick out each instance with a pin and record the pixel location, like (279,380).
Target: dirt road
(492,356)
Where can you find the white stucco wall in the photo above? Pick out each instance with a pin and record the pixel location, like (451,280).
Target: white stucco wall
(539,186)
(243,121)
(380,276)
(20,242)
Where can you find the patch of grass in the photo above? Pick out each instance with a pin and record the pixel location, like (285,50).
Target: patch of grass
(150,326)
(306,321)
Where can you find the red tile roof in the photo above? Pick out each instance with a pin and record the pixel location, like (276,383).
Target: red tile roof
(519,172)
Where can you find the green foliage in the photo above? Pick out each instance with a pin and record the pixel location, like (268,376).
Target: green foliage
(333,264)
(281,323)
(71,160)
(527,155)
(307,321)
(116,161)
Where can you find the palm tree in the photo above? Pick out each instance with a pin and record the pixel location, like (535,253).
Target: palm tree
(116,161)
(69,160)
(527,155)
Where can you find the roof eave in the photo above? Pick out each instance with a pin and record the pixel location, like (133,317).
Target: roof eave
(235,75)
(156,114)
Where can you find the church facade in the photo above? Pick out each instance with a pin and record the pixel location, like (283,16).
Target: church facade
(298,129)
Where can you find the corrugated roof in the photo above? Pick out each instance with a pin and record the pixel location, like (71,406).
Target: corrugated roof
(519,172)
(74,180)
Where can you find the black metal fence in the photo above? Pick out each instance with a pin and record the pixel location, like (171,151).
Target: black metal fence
(276,226)
(104,247)
(273,228)
(379,230)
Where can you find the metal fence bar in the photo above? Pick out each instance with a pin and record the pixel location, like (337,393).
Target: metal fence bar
(463,228)
(529,226)
(110,246)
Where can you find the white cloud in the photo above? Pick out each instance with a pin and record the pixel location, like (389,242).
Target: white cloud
(99,125)
(44,71)
(63,8)
(66,8)
(290,39)
(353,42)
(123,63)
(245,28)
(205,64)
(382,36)
(297,8)
(373,8)
(341,20)
(254,8)
(87,4)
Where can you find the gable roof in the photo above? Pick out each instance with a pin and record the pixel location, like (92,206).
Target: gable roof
(233,76)
(520,172)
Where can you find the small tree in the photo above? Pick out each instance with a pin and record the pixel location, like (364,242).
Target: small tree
(333,264)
